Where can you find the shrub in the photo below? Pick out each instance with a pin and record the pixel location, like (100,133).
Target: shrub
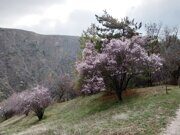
(36,99)
(62,89)
(10,106)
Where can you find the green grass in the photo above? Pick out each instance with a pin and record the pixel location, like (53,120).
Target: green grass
(144,111)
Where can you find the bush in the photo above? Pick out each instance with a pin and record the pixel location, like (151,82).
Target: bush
(10,106)
(62,89)
(36,100)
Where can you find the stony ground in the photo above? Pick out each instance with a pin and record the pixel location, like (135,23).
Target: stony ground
(174,127)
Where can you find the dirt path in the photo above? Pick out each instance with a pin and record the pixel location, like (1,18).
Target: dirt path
(174,127)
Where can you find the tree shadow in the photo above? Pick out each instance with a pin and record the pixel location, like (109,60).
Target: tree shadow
(103,103)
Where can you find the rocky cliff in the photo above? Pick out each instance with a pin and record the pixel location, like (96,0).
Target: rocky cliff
(27,58)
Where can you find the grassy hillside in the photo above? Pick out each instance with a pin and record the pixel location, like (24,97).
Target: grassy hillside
(144,111)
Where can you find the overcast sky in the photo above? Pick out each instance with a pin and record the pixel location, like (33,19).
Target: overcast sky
(70,17)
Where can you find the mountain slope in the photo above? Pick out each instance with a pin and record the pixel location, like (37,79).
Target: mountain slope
(27,58)
(144,111)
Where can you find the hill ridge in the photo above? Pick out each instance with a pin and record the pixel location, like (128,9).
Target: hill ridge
(28,58)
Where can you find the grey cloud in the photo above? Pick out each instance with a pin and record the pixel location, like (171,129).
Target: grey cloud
(164,11)
(78,21)
(14,9)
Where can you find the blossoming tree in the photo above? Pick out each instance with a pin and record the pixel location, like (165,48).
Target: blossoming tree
(115,64)
(38,99)
(35,99)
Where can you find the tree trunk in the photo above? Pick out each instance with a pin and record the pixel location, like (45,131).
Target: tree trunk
(117,87)
(126,83)
(150,79)
(166,89)
(40,113)
(120,85)
(119,94)
(26,113)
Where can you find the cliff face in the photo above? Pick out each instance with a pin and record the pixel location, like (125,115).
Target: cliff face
(27,58)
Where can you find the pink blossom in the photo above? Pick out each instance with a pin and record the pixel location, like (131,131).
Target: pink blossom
(117,58)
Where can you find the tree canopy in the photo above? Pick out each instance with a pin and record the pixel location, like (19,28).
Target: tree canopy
(115,64)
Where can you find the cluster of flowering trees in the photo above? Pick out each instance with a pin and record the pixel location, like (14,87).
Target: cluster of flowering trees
(114,64)
(36,100)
